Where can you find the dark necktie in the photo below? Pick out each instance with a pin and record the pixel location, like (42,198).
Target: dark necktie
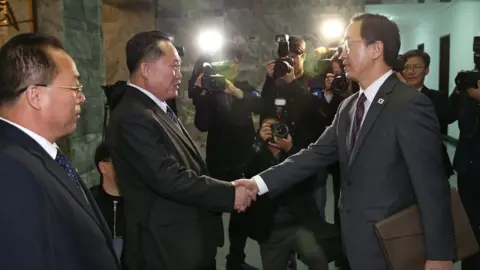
(172,116)
(358,117)
(72,173)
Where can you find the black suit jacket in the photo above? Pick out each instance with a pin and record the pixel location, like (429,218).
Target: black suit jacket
(441,108)
(46,223)
(171,207)
(396,162)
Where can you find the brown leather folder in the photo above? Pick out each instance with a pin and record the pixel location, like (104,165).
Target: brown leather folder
(401,236)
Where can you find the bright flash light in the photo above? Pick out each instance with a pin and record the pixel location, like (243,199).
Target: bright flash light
(332,29)
(210,41)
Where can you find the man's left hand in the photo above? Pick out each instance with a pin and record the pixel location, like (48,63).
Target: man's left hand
(289,77)
(438,265)
(232,90)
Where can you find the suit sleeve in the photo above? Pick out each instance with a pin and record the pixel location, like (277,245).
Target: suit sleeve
(304,164)
(419,139)
(23,222)
(142,145)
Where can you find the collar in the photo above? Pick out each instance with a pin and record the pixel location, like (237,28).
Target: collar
(160,103)
(372,90)
(50,148)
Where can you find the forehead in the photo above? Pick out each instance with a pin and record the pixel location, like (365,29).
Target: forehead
(169,50)
(415,60)
(353,31)
(64,62)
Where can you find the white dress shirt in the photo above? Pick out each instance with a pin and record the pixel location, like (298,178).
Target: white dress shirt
(161,104)
(50,148)
(369,93)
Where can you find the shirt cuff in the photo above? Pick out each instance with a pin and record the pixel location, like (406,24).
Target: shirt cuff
(262,187)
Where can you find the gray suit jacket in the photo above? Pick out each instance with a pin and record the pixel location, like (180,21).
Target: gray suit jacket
(396,162)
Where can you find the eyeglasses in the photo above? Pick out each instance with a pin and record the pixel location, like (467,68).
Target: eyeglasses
(345,45)
(413,68)
(77,89)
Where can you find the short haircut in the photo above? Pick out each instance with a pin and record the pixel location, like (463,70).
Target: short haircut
(144,46)
(102,154)
(376,27)
(25,61)
(297,45)
(418,53)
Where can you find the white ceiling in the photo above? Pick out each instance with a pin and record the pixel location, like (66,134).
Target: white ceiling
(407,14)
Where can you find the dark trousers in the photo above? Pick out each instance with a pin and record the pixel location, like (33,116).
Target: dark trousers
(334,170)
(238,239)
(276,250)
(236,232)
(469,191)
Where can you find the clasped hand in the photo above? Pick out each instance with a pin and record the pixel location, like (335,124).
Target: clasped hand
(245,192)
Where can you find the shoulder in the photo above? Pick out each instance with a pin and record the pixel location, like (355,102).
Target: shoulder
(95,190)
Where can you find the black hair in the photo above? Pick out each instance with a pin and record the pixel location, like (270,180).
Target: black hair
(144,45)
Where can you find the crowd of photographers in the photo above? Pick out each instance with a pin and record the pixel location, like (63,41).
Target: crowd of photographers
(295,107)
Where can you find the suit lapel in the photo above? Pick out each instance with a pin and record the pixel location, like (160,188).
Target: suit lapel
(344,126)
(166,122)
(379,102)
(58,173)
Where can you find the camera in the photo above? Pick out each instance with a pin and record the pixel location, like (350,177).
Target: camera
(211,80)
(279,130)
(339,83)
(469,79)
(284,64)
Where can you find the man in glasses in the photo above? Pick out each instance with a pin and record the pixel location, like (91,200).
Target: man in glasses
(417,67)
(49,219)
(386,138)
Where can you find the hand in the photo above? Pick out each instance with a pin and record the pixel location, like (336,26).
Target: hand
(232,90)
(247,183)
(270,68)
(438,265)
(284,144)
(198,82)
(475,92)
(266,131)
(243,198)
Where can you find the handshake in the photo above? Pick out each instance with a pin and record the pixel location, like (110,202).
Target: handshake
(245,192)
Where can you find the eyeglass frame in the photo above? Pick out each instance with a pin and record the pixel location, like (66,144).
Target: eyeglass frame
(77,89)
(345,47)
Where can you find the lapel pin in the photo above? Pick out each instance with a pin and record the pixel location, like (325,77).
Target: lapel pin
(380,101)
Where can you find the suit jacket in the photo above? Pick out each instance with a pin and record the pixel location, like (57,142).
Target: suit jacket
(46,222)
(441,108)
(396,162)
(171,207)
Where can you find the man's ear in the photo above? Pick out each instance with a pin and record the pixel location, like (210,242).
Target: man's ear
(377,49)
(34,96)
(144,69)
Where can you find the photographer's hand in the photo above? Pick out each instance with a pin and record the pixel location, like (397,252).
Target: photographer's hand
(266,131)
(475,92)
(232,90)
(198,83)
(284,144)
(270,68)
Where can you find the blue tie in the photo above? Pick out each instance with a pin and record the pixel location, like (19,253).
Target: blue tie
(172,116)
(72,173)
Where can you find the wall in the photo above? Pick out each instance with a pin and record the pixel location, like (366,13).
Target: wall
(249,25)
(119,25)
(77,23)
(22,10)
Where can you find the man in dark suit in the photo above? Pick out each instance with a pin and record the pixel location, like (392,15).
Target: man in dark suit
(386,139)
(49,220)
(172,210)
(416,69)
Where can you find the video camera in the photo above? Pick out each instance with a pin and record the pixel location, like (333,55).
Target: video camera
(284,64)
(469,79)
(212,81)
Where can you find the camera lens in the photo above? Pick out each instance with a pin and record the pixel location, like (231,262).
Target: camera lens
(280,130)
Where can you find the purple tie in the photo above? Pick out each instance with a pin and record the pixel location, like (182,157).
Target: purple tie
(357,121)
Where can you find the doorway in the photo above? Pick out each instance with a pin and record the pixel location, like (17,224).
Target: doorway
(444,74)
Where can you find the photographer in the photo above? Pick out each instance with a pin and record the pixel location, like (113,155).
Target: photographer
(465,107)
(287,96)
(226,114)
(288,221)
